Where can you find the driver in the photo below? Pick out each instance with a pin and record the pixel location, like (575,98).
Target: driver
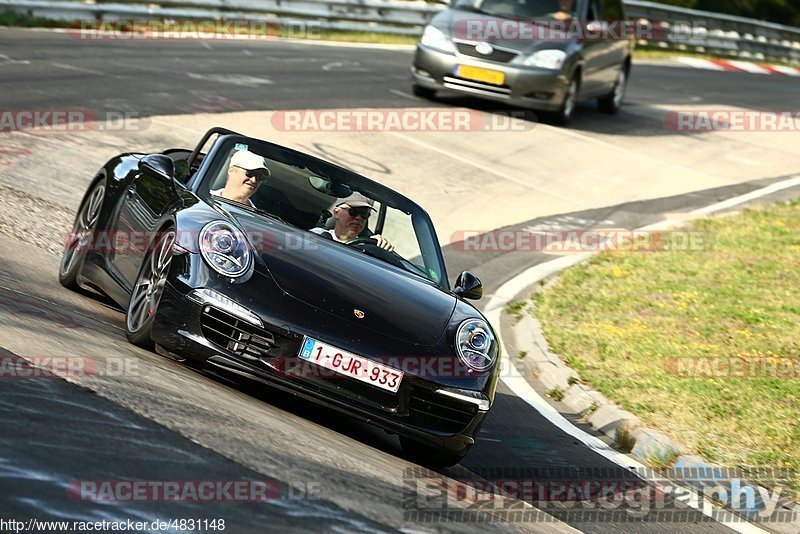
(246,172)
(350,219)
(566,10)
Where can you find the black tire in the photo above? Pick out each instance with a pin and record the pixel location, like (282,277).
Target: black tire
(612,102)
(79,241)
(147,290)
(564,115)
(423,92)
(429,455)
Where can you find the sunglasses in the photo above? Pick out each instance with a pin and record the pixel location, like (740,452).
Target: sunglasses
(364,212)
(259,174)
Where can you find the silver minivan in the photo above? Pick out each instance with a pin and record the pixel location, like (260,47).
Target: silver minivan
(544,55)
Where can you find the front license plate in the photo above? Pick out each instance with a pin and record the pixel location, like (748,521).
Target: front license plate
(352,365)
(480,75)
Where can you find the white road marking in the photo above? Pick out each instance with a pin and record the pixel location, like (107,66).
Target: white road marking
(741,199)
(519,385)
(5,60)
(404,95)
(344,66)
(749,67)
(490,170)
(789,71)
(699,63)
(78,69)
(232,79)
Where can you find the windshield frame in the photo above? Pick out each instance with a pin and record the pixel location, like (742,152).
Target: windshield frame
(424,230)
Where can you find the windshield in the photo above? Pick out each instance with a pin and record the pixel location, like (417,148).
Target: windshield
(309,194)
(524,9)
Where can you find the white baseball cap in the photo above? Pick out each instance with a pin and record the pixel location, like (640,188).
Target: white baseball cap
(357,200)
(248,161)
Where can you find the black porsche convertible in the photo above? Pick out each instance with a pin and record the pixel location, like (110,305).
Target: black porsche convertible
(259,288)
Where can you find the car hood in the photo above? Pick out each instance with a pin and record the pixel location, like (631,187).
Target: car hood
(347,283)
(454,22)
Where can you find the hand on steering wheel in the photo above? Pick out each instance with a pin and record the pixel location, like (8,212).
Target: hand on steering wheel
(376,240)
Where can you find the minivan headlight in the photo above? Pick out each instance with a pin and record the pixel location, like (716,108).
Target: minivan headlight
(546,59)
(435,38)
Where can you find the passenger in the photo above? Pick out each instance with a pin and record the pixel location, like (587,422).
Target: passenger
(350,219)
(245,173)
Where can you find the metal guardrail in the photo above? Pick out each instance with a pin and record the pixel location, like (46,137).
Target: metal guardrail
(725,35)
(678,28)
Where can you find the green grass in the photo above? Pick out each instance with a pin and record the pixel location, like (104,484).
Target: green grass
(623,320)
(517,309)
(11,18)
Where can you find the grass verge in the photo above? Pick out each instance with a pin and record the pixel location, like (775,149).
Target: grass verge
(703,345)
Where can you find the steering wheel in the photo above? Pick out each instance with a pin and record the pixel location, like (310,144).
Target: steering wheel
(370,246)
(362,241)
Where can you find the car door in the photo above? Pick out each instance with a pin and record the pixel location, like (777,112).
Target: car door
(143,207)
(594,50)
(616,45)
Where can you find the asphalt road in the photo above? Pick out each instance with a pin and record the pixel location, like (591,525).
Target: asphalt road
(176,77)
(166,422)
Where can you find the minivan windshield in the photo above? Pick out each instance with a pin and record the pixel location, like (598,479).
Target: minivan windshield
(522,9)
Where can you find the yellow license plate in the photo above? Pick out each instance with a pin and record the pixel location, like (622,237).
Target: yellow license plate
(480,75)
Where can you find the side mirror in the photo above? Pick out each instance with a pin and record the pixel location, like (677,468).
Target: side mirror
(468,286)
(158,166)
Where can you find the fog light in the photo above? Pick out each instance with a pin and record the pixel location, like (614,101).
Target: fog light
(218,300)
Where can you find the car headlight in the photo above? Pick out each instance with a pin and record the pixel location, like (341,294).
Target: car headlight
(476,344)
(546,59)
(435,38)
(225,249)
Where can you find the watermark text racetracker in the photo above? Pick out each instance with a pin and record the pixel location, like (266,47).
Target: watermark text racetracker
(192,490)
(488,29)
(783,367)
(597,494)
(65,366)
(223,29)
(142,241)
(401,120)
(726,120)
(571,241)
(70,120)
